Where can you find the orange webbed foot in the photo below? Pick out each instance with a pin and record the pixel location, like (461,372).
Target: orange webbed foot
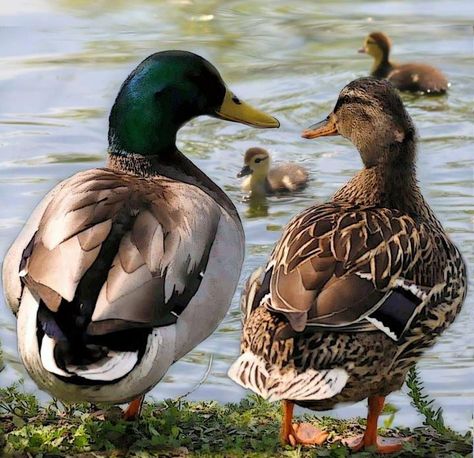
(306,434)
(299,433)
(383,445)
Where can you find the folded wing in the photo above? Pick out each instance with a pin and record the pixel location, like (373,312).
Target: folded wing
(129,251)
(336,266)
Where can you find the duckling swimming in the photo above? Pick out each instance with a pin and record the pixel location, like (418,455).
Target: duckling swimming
(413,77)
(261,179)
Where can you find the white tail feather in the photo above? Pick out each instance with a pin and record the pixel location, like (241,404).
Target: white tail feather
(274,384)
(47,357)
(112,367)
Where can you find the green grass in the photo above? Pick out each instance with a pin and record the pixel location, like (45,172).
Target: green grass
(179,428)
(182,428)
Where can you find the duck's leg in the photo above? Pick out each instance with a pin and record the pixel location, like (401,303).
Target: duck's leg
(298,433)
(132,412)
(370,437)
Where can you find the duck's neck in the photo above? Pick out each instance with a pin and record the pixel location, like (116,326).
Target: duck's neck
(391,183)
(134,128)
(171,164)
(381,66)
(174,165)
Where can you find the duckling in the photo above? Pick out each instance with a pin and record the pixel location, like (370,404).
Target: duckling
(122,270)
(357,288)
(413,77)
(261,179)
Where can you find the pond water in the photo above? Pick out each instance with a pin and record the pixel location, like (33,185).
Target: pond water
(62,63)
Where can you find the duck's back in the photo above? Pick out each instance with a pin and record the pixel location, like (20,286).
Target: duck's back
(416,77)
(287,177)
(111,252)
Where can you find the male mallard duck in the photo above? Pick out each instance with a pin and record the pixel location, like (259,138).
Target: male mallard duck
(261,179)
(122,270)
(357,288)
(412,77)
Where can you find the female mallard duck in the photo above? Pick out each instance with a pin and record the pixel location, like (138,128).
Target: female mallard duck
(122,270)
(261,179)
(357,288)
(412,77)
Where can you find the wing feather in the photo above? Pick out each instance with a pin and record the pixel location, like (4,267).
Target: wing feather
(335,263)
(146,241)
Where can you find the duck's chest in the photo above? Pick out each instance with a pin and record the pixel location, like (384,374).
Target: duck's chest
(443,304)
(447,297)
(256,185)
(227,242)
(219,278)
(211,302)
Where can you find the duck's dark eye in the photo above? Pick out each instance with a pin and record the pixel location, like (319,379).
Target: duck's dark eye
(236,100)
(258,160)
(157,95)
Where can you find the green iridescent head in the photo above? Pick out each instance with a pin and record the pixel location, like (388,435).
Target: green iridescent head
(164,92)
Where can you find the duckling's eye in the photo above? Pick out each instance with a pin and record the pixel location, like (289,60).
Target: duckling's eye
(258,160)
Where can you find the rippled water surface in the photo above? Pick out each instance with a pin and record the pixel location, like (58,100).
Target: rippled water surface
(62,62)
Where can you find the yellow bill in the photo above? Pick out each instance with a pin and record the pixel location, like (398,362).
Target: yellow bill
(234,109)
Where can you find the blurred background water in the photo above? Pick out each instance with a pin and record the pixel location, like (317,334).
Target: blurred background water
(63,61)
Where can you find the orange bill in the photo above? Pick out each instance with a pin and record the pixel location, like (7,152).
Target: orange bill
(324,128)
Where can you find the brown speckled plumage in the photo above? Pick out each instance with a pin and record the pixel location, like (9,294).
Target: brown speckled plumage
(364,282)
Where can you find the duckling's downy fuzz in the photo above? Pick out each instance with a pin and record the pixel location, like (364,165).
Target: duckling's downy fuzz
(122,270)
(356,289)
(412,77)
(263,179)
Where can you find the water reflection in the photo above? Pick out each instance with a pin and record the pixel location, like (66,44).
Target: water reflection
(257,206)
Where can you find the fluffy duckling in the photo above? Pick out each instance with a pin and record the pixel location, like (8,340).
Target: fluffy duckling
(413,77)
(357,288)
(262,179)
(122,270)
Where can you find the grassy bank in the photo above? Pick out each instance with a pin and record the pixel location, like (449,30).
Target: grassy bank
(196,429)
